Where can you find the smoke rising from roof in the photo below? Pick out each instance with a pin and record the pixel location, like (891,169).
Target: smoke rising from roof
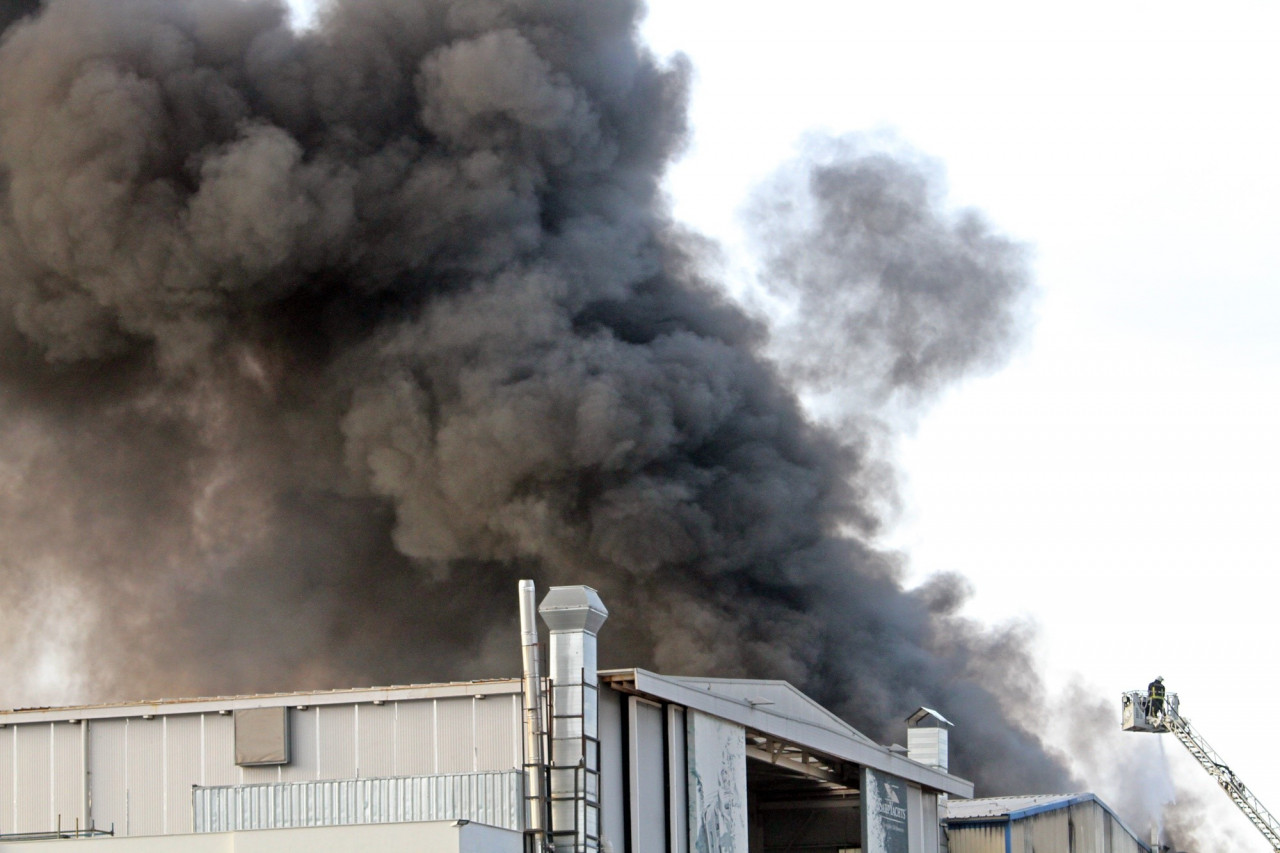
(311,344)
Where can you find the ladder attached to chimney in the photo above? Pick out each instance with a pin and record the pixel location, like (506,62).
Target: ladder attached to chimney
(575,787)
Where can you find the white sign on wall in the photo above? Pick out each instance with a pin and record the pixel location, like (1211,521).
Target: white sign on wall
(717,753)
(884,813)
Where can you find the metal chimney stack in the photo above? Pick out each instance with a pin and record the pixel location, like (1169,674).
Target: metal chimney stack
(574,614)
(535,764)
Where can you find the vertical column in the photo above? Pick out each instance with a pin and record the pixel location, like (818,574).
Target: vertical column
(534,762)
(573,615)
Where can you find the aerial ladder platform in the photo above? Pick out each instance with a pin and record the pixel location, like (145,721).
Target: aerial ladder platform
(1157,712)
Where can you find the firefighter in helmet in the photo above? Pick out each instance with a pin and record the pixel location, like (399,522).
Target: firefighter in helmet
(1155,697)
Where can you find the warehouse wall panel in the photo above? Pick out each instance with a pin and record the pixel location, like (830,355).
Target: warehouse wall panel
(108,782)
(68,775)
(218,750)
(8,769)
(612,788)
(648,776)
(980,838)
(303,763)
(455,737)
(144,772)
(183,757)
(336,742)
(497,733)
(375,740)
(416,738)
(34,745)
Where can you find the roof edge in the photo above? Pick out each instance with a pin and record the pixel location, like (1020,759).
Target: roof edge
(205,704)
(842,744)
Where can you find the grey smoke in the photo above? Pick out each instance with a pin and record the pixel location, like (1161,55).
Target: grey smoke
(311,344)
(1131,772)
(886,296)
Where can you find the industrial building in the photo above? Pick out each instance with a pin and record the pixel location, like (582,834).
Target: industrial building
(628,761)
(1062,823)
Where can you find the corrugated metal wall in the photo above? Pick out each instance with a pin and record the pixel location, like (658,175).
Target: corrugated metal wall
(42,779)
(1076,829)
(136,774)
(1121,840)
(496,799)
(983,838)
(1080,828)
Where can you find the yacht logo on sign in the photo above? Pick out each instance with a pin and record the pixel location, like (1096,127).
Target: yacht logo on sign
(884,813)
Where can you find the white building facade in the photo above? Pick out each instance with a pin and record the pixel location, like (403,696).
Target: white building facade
(676,765)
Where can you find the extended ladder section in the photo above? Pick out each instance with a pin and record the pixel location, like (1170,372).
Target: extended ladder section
(1138,717)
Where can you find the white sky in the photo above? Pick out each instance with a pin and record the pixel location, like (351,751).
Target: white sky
(1115,483)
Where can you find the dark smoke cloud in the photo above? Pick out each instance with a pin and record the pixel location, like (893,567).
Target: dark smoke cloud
(311,344)
(13,10)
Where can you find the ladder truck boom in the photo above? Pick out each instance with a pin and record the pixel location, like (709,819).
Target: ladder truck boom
(1154,711)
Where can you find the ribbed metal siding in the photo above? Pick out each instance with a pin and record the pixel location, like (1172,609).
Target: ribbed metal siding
(107,783)
(495,799)
(7,819)
(145,814)
(1121,840)
(456,736)
(217,750)
(497,733)
(1076,828)
(1048,832)
(68,775)
(1090,820)
(182,769)
(33,778)
(416,739)
(336,742)
(376,750)
(140,772)
(303,763)
(976,839)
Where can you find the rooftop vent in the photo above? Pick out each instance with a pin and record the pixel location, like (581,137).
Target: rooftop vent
(927,737)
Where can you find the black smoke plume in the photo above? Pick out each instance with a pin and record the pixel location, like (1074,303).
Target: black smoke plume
(12,10)
(312,343)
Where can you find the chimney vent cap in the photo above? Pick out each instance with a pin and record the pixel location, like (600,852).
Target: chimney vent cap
(927,718)
(573,608)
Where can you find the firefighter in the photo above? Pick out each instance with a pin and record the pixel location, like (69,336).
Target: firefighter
(1155,697)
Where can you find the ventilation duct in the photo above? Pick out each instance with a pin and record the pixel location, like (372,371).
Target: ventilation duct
(574,614)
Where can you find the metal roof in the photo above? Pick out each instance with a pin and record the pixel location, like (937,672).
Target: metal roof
(773,708)
(1012,807)
(787,714)
(986,809)
(777,697)
(208,704)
